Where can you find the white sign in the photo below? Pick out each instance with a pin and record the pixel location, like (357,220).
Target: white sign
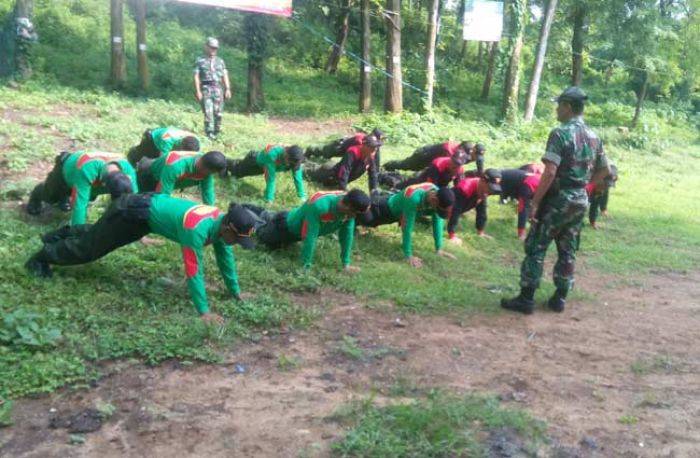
(277,7)
(483,21)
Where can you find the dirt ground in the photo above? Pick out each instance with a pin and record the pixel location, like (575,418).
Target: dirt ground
(612,377)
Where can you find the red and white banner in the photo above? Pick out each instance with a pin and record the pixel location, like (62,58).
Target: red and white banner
(277,7)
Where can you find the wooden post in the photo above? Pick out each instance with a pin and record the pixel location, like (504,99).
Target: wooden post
(365,67)
(430,53)
(550,8)
(118,68)
(577,44)
(393,95)
(142,57)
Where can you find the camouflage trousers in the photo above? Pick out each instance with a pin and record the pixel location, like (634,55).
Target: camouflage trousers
(560,220)
(212,106)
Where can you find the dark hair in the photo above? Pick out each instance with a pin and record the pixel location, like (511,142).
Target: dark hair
(214,161)
(118,183)
(295,154)
(480,148)
(378,134)
(467,146)
(446,197)
(357,200)
(189,143)
(576,106)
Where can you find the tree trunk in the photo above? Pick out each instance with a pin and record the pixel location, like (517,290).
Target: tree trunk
(550,8)
(430,53)
(14,59)
(341,38)
(577,41)
(142,58)
(118,74)
(24,8)
(488,79)
(255,27)
(640,100)
(393,95)
(366,67)
(511,83)
(480,56)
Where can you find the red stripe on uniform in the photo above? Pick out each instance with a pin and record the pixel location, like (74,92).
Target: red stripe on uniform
(304,229)
(191,265)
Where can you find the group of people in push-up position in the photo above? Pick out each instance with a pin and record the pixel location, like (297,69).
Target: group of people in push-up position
(552,195)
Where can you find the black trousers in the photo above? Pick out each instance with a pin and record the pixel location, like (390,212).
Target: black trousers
(54,189)
(144,149)
(420,159)
(124,222)
(274,233)
(245,167)
(378,214)
(327,151)
(323,174)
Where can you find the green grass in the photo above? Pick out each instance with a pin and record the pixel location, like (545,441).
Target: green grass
(134,302)
(441,425)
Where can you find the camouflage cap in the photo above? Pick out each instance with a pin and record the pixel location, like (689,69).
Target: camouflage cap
(212,42)
(571,94)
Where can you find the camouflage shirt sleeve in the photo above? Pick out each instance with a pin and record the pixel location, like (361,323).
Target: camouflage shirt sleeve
(555,147)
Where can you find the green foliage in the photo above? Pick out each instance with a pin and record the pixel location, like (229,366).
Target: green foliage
(440,426)
(21,328)
(5,413)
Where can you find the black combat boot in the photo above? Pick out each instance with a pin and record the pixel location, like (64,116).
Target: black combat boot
(38,267)
(557,302)
(523,302)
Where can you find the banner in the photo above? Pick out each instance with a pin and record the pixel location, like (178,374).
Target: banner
(277,7)
(483,20)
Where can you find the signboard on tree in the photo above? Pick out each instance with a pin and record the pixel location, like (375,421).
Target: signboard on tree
(483,20)
(277,7)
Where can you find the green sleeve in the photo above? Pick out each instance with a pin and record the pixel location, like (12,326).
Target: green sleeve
(134,181)
(194,269)
(207,188)
(409,220)
(310,229)
(346,235)
(438,227)
(167,180)
(227,266)
(81,193)
(298,177)
(270,179)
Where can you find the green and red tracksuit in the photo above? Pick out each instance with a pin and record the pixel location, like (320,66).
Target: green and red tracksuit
(268,162)
(403,207)
(81,176)
(424,156)
(157,142)
(466,198)
(353,165)
(177,170)
(133,216)
(438,173)
(316,217)
(336,148)
(521,186)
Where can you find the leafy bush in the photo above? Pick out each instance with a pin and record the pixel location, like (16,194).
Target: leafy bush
(26,329)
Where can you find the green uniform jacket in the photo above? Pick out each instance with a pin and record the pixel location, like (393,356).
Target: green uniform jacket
(320,216)
(167,139)
(84,173)
(271,159)
(177,170)
(407,205)
(194,226)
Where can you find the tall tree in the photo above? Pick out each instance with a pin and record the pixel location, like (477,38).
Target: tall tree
(488,79)
(550,8)
(430,52)
(139,7)
(118,67)
(366,67)
(517,10)
(393,95)
(580,27)
(16,39)
(256,31)
(641,95)
(341,38)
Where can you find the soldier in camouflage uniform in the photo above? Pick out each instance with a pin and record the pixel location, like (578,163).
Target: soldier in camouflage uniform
(574,157)
(25,37)
(212,86)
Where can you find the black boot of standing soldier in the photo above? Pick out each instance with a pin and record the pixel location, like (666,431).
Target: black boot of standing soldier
(557,302)
(523,302)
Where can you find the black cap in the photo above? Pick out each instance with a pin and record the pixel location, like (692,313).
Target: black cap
(378,134)
(357,200)
(118,183)
(295,155)
(480,149)
(446,199)
(372,141)
(493,178)
(214,161)
(572,94)
(244,223)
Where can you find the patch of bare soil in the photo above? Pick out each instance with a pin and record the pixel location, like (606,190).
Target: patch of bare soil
(307,126)
(616,376)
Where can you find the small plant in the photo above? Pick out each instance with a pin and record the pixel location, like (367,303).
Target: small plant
(350,348)
(286,363)
(22,328)
(628,420)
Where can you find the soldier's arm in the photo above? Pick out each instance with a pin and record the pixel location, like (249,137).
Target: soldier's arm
(298,176)
(270,181)
(438,229)
(197,84)
(408,220)
(226,262)
(346,236)
(80,197)
(309,234)
(548,176)
(207,189)
(227,83)
(194,270)
(481,217)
